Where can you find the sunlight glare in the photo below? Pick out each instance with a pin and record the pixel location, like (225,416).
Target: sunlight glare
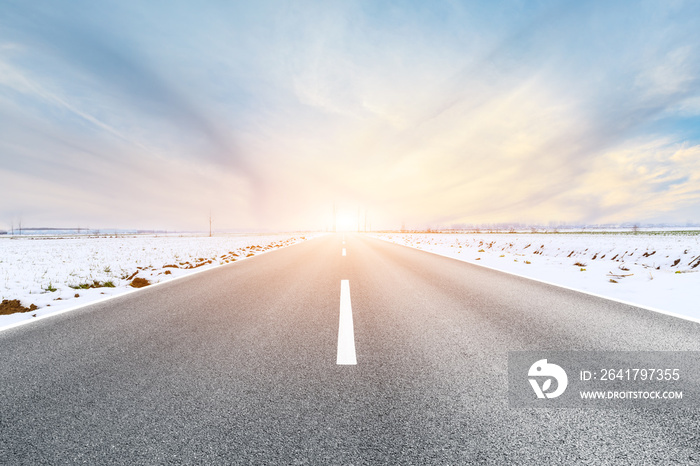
(346,220)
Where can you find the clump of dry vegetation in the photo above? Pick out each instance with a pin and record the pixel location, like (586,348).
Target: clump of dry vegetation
(139,282)
(94,284)
(13,306)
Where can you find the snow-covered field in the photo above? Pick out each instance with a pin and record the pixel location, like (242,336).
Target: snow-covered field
(55,273)
(660,271)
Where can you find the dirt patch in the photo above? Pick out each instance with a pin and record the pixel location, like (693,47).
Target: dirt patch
(694,263)
(139,283)
(13,306)
(190,266)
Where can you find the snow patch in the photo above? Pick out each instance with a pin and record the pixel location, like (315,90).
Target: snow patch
(651,270)
(60,272)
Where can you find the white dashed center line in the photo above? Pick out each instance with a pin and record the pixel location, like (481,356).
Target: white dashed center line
(346,333)
(344,251)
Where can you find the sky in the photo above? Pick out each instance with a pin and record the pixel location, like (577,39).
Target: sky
(266,114)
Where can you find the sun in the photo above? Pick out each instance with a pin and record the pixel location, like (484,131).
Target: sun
(345,220)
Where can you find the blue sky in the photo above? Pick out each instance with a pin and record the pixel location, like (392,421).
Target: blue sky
(151,114)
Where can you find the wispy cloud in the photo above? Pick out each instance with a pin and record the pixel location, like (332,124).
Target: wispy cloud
(267,113)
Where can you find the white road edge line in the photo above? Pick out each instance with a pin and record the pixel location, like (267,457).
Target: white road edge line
(343,251)
(590,293)
(346,333)
(22,323)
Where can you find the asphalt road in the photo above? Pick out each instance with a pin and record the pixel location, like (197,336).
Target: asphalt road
(237,365)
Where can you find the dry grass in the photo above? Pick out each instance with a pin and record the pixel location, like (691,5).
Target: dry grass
(139,283)
(13,306)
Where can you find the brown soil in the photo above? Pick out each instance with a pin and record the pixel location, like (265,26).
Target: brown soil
(139,283)
(13,306)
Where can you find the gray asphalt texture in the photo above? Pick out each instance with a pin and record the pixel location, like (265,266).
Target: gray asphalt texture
(236,365)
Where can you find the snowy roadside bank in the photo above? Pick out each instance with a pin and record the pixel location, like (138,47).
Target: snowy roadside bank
(660,271)
(57,273)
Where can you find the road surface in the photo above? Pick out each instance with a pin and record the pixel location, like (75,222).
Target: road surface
(239,365)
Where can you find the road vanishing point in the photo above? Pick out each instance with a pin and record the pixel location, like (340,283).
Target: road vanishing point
(343,349)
